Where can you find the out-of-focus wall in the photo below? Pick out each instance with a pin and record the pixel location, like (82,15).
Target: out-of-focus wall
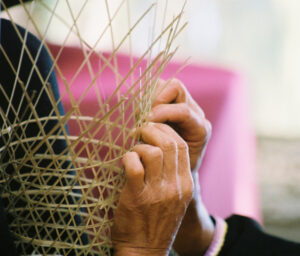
(262,38)
(259,38)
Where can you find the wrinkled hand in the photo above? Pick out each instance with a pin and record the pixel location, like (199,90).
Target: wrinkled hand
(156,194)
(174,105)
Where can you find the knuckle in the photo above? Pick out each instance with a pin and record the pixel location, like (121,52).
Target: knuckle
(182,146)
(168,145)
(176,82)
(179,86)
(159,125)
(155,153)
(162,126)
(134,171)
(186,111)
(205,130)
(132,168)
(203,133)
(127,157)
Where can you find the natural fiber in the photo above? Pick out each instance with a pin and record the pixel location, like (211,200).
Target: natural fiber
(59,189)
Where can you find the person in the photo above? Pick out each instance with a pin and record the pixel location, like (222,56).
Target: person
(161,195)
(15,102)
(159,192)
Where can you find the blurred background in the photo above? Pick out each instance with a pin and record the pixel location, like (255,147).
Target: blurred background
(257,38)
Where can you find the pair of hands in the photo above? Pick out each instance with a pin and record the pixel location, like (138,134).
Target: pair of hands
(159,192)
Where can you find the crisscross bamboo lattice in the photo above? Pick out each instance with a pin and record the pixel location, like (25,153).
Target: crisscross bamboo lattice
(59,189)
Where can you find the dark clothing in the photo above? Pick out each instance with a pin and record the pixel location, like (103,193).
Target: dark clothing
(10,3)
(245,237)
(6,240)
(23,98)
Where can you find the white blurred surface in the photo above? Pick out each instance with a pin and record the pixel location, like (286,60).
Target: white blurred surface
(259,38)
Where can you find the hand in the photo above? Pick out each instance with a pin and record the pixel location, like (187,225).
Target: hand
(174,105)
(156,194)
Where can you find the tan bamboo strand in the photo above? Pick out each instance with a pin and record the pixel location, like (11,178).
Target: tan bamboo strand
(61,192)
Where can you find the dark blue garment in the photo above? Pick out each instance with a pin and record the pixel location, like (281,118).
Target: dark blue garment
(10,3)
(32,81)
(245,237)
(6,239)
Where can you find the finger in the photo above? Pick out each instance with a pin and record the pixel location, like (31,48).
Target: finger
(171,91)
(174,113)
(152,159)
(134,171)
(183,156)
(169,131)
(150,134)
(184,117)
(158,88)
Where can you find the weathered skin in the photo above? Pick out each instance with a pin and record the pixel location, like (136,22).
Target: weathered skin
(162,189)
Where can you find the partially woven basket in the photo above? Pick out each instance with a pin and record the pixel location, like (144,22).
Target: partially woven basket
(59,189)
